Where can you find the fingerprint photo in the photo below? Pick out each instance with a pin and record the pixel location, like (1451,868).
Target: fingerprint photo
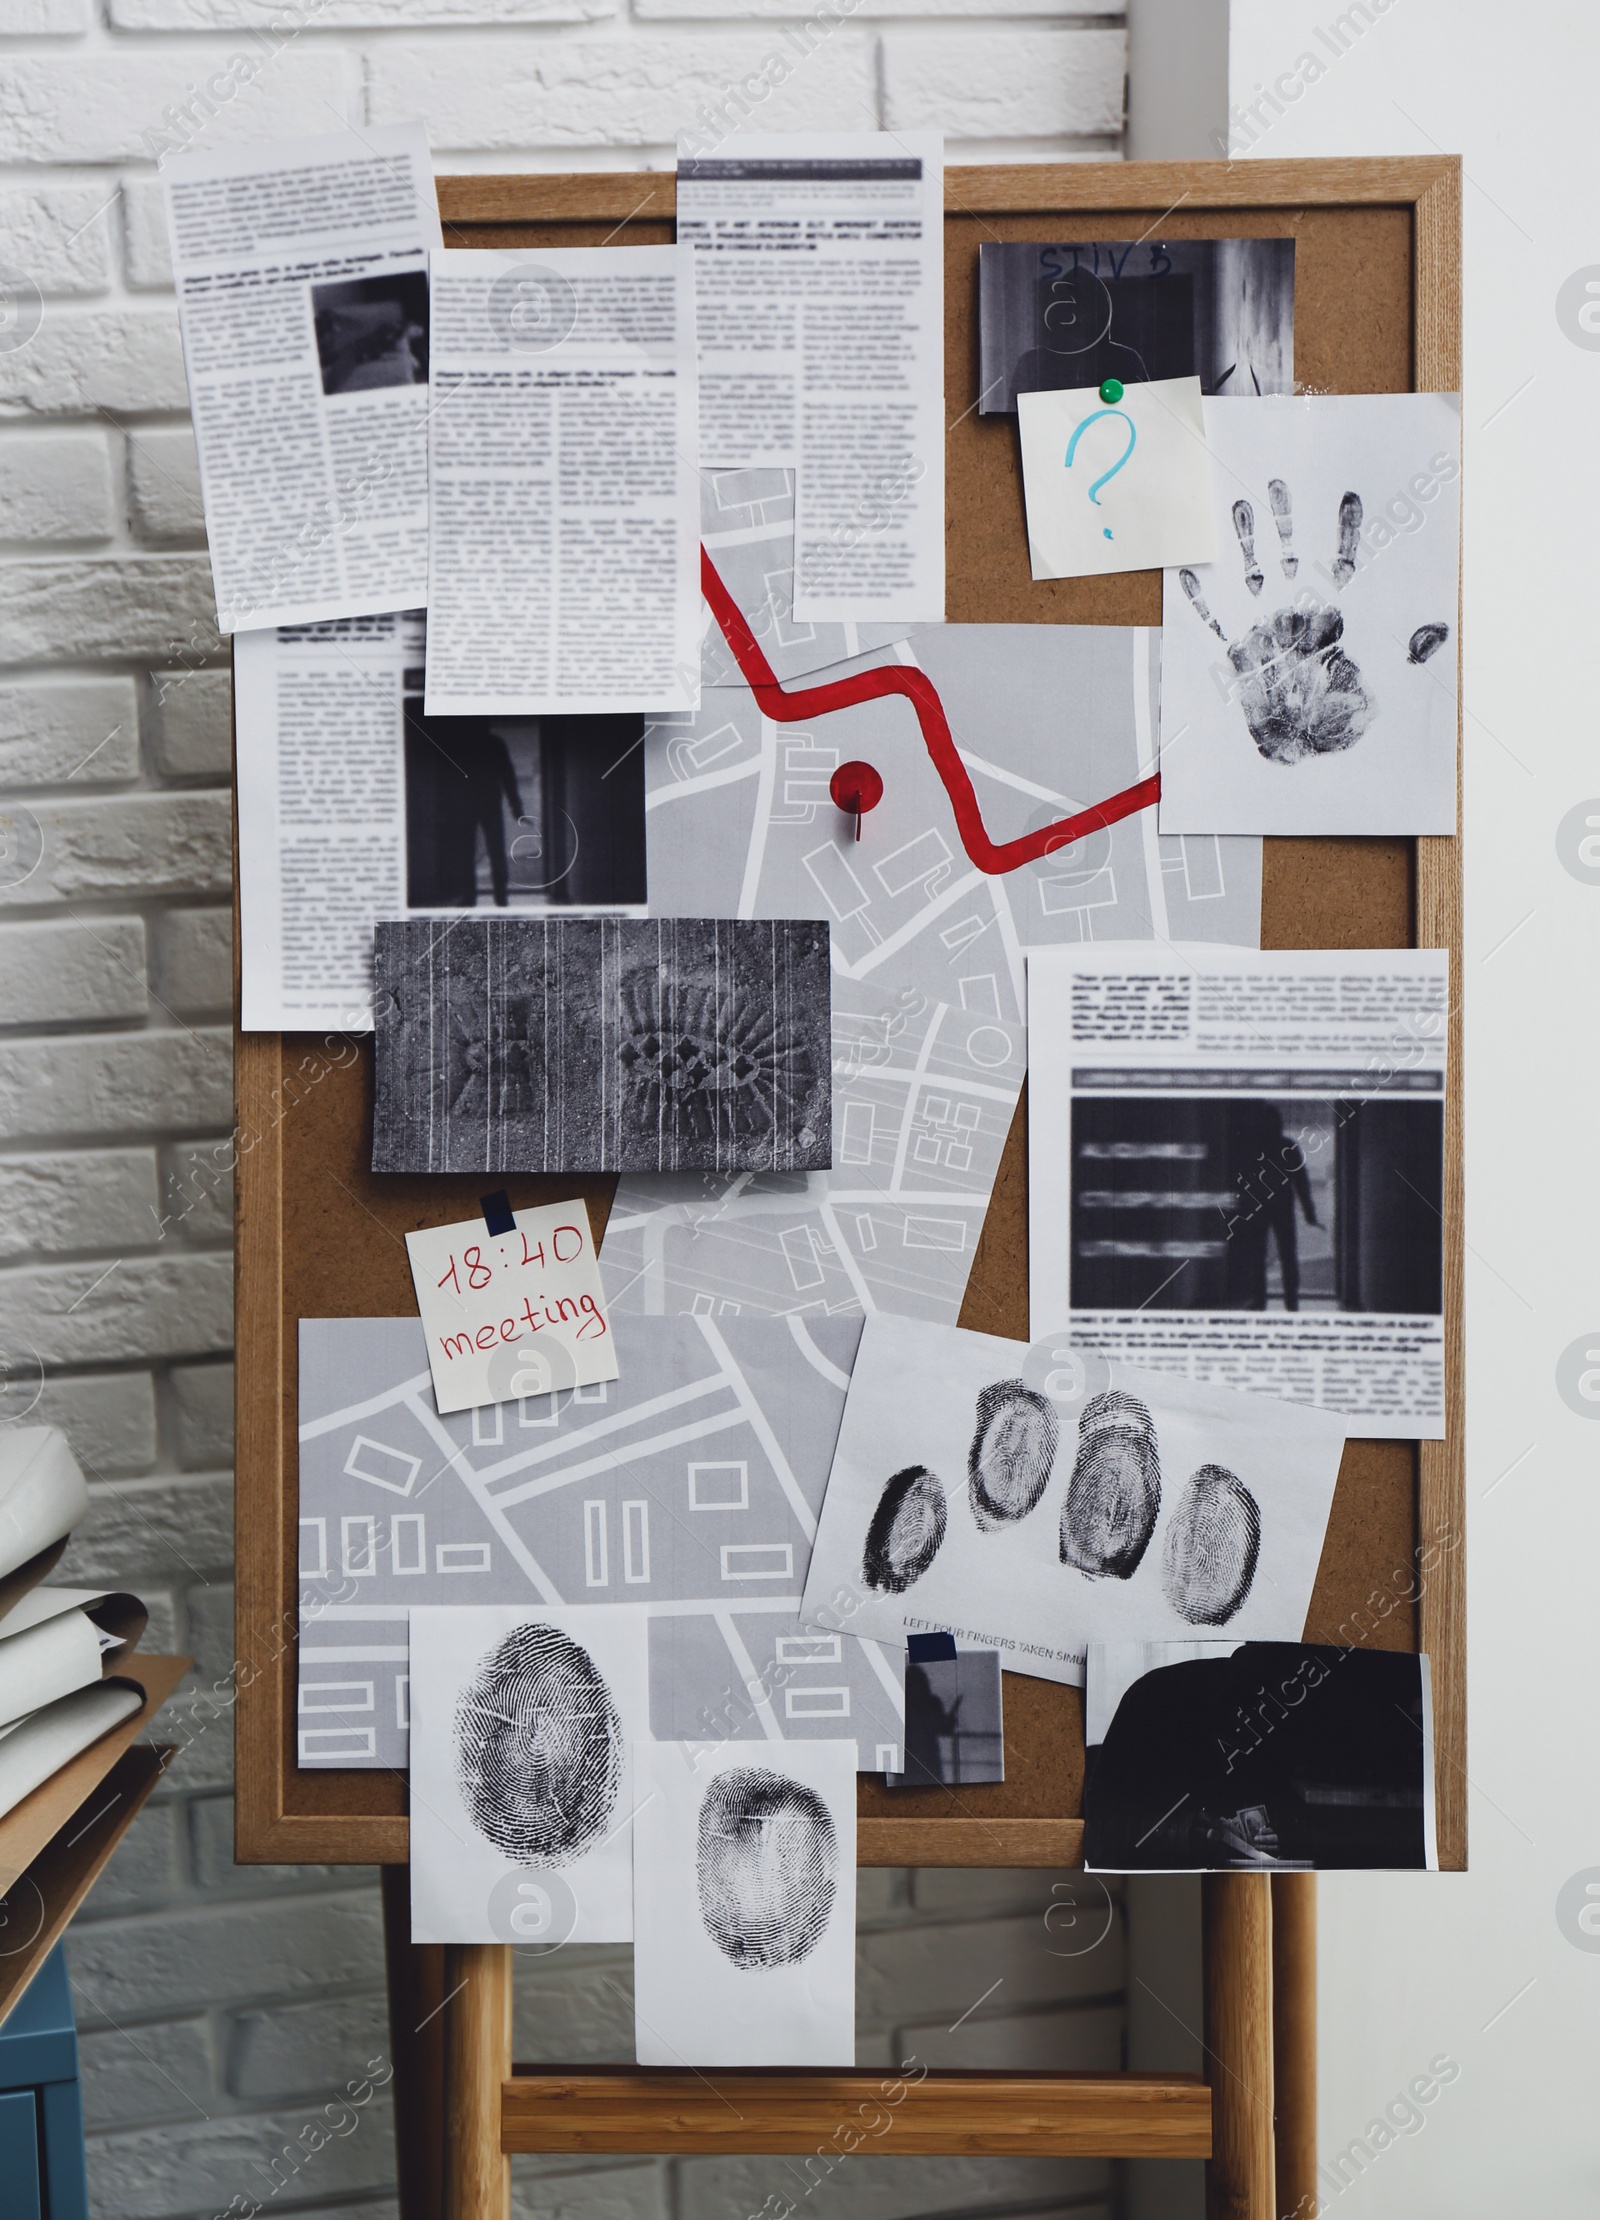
(766,1855)
(1209,1557)
(1013,1453)
(1109,1512)
(905,1532)
(539,1747)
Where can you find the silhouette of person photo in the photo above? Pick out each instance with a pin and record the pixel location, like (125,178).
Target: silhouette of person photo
(1267,1171)
(932,1726)
(953,1729)
(472,784)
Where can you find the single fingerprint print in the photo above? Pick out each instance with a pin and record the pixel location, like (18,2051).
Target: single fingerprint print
(1112,1499)
(765,1861)
(1344,562)
(905,1531)
(1211,1549)
(1013,1453)
(539,1747)
(1244,524)
(1283,517)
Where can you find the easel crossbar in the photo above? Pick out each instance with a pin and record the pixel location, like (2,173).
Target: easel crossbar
(830,2115)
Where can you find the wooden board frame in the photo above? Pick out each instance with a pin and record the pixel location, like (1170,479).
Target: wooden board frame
(1394,1569)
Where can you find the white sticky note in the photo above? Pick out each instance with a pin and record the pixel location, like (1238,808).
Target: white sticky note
(513,1314)
(1116,486)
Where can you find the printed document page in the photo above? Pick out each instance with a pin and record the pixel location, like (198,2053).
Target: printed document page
(819,275)
(355,805)
(565,562)
(302,279)
(1236,1169)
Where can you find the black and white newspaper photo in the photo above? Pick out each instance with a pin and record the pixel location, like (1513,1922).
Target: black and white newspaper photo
(1236,1169)
(1208,1757)
(564,551)
(819,279)
(302,277)
(355,805)
(1052,316)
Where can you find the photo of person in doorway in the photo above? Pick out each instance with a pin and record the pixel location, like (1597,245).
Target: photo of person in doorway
(475,788)
(1267,1169)
(522,812)
(1257,1200)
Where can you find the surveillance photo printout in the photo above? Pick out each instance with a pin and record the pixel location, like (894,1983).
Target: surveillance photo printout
(1236,1169)
(1248,1757)
(1058,315)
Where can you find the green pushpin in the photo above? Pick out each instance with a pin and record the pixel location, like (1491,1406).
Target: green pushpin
(1111,391)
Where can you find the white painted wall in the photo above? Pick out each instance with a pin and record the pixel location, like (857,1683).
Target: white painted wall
(1177,79)
(1479,1967)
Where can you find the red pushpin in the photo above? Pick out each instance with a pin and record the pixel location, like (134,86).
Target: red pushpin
(856,788)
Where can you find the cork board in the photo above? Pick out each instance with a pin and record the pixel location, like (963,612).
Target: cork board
(1377,310)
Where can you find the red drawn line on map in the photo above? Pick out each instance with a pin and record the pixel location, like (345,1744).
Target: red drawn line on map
(898,678)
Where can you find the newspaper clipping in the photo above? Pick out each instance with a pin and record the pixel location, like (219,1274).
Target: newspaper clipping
(819,275)
(564,567)
(1236,1169)
(355,805)
(303,294)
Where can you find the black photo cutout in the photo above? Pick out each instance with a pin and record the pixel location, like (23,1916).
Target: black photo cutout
(765,1861)
(1109,1512)
(539,1747)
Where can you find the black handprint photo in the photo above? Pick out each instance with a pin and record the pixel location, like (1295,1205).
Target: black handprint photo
(1303,685)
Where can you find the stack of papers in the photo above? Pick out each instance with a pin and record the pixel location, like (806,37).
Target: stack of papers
(60,1648)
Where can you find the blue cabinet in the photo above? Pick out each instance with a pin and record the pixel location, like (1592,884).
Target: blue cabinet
(41,2106)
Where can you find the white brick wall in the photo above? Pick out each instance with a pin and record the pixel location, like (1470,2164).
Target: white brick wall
(56,487)
(224,2006)
(85,969)
(53,730)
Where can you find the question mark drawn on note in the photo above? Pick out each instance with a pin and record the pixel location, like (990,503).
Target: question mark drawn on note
(1133,441)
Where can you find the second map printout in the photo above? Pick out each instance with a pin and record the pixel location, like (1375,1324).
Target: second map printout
(928,950)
